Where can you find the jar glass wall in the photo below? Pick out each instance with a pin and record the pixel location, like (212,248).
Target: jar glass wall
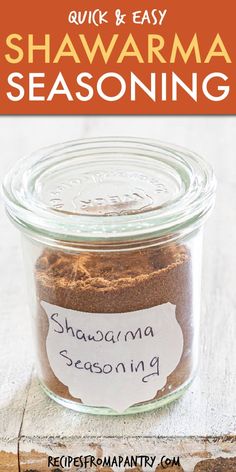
(112,233)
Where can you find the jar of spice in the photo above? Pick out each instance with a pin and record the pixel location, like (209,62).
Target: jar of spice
(112,245)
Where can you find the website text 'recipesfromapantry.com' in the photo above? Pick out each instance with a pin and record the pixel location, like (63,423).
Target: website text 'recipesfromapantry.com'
(88,461)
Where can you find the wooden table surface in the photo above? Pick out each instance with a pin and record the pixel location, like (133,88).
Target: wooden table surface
(200,425)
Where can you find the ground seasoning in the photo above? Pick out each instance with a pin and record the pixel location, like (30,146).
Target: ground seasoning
(116,283)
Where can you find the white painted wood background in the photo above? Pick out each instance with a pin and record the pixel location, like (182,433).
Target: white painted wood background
(203,423)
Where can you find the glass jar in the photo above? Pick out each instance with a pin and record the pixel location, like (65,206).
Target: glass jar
(112,247)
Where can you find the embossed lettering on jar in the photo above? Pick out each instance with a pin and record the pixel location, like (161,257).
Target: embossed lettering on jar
(112,232)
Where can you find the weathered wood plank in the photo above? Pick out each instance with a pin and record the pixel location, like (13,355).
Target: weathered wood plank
(16,349)
(191,451)
(8,461)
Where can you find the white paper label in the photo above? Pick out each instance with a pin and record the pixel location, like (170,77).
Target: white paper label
(113,360)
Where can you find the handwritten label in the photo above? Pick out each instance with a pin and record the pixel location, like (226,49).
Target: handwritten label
(113,360)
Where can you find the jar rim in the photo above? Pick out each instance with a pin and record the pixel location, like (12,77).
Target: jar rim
(161,190)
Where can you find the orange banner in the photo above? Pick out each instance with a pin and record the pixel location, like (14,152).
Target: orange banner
(134,57)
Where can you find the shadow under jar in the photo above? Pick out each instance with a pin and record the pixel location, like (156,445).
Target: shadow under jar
(112,248)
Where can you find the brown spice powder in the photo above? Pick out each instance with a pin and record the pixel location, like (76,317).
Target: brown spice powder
(116,283)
